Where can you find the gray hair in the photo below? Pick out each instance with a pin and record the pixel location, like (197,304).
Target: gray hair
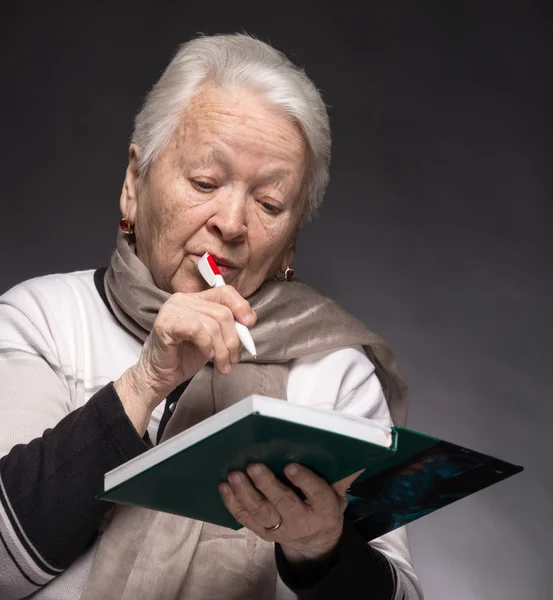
(231,61)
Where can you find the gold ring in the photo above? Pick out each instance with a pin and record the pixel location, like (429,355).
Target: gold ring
(274,527)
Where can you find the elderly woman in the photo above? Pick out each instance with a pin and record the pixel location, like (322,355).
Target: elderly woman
(229,155)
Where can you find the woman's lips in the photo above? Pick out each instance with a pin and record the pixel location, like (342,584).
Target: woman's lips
(223,269)
(223,265)
(222,262)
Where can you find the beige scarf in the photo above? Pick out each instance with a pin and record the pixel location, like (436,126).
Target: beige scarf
(146,555)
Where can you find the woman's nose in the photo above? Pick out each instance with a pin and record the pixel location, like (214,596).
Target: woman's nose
(229,220)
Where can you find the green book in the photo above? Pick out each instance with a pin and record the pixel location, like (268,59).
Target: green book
(407,474)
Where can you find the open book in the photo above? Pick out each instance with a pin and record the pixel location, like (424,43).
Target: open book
(407,474)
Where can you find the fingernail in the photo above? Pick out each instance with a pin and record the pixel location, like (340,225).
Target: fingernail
(291,469)
(255,469)
(224,489)
(235,478)
(227,369)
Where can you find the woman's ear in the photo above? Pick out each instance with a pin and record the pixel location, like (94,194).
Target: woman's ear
(128,200)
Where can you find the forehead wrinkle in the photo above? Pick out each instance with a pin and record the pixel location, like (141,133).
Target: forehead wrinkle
(216,157)
(210,117)
(213,158)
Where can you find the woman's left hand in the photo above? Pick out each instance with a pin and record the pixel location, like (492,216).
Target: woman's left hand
(308,529)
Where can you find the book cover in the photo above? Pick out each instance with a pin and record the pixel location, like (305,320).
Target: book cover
(187,483)
(411,486)
(416,475)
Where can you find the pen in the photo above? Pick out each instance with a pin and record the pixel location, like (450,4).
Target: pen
(210,272)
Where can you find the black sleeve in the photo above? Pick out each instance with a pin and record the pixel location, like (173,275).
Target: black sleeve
(354,570)
(50,484)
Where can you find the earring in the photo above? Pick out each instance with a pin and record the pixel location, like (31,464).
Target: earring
(288,274)
(126,226)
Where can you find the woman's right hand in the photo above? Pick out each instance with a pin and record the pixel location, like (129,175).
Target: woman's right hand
(189,331)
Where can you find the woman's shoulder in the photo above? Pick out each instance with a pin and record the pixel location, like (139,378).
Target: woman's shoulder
(60,294)
(343,379)
(52,287)
(338,370)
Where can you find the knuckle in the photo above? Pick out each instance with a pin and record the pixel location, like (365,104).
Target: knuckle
(241,514)
(223,356)
(177,301)
(212,326)
(233,345)
(224,314)
(244,306)
(260,510)
(232,295)
(163,326)
(162,318)
(227,314)
(195,327)
(158,327)
(229,291)
(175,298)
(284,503)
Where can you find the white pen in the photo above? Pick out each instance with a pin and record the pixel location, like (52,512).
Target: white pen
(210,272)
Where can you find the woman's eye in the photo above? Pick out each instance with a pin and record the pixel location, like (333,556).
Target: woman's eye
(204,186)
(271,208)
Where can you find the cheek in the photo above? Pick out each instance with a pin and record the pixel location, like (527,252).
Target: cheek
(150,210)
(169,213)
(265,238)
(268,246)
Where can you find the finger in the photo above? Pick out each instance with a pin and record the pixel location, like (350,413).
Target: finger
(188,325)
(185,318)
(284,499)
(224,316)
(260,508)
(221,356)
(238,511)
(231,298)
(198,335)
(318,493)
(173,326)
(193,306)
(341,487)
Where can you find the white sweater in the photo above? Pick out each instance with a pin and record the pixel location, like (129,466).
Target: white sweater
(59,345)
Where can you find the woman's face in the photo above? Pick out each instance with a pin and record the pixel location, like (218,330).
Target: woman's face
(231,182)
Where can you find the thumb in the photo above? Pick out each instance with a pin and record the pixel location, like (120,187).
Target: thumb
(341,487)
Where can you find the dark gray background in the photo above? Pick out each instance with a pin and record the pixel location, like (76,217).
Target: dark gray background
(435,231)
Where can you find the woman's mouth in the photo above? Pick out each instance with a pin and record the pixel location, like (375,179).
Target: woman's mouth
(222,262)
(224,265)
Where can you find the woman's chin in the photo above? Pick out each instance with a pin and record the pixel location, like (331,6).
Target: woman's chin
(187,283)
